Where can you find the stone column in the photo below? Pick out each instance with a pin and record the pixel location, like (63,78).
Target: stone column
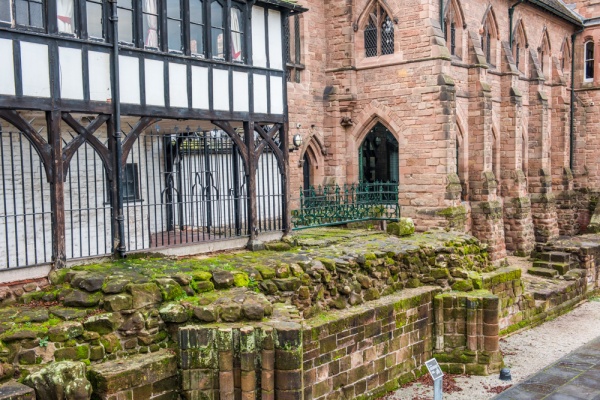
(486,210)
(543,204)
(518,226)
(560,148)
(288,362)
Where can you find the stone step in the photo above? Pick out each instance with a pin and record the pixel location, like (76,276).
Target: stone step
(16,391)
(545,272)
(560,267)
(556,256)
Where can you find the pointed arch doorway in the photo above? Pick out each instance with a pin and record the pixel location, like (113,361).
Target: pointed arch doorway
(378,158)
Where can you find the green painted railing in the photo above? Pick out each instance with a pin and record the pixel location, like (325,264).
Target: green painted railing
(336,205)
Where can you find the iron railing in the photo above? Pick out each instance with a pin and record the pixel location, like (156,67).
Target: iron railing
(336,205)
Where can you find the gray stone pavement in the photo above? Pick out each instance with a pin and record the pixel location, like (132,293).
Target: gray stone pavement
(574,377)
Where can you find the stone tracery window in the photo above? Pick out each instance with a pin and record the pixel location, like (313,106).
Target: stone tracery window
(379,32)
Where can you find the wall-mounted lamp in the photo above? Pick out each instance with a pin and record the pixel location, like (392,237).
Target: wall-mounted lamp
(297,140)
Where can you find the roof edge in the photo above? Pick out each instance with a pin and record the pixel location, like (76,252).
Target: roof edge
(294,8)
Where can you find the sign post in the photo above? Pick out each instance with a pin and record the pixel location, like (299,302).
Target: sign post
(438,377)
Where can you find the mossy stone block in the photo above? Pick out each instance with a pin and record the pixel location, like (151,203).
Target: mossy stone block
(170,289)
(463,285)
(65,331)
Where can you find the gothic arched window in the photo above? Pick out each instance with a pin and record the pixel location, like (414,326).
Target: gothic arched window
(453,28)
(379,32)
(489,37)
(544,54)
(519,47)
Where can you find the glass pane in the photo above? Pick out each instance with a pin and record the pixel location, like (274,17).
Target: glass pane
(174,32)
(36,14)
(589,51)
(387,36)
(150,23)
(94,20)
(65,16)
(196,12)
(125,4)
(197,39)
(217,43)
(589,69)
(216,15)
(125,25)
(236,35)
(174,9)
(22,12)
(5,11)
(371,41)
(236,47)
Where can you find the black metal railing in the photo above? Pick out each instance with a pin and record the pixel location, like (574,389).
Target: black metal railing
(336,205)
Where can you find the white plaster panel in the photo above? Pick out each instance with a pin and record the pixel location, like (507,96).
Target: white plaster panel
(7,68)
(275,47)
(260,94)
(200,88)
(178,94)
(240,92)
(259,48)
(99,71)
(35,70)
(129,79)
(71,73)
(154,74)
(220,89)
(276,95)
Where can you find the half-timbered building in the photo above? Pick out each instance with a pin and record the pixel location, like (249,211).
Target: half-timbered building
(139,125)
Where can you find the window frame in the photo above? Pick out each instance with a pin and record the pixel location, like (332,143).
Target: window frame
(84,25)
(134,25)
(209,30)
(294,65)
(242,31)
(132,168)
(203,25)
(12,6)
(382,15)
(182,30)
(587,60)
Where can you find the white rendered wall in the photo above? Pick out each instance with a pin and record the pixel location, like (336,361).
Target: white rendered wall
(155,82)
(7,69)
(99,72)
(35,69)
(71,74)
(260,94)
(240,92)
(259,47)
(178,85)
(129,79)
(275,47)
(220,89)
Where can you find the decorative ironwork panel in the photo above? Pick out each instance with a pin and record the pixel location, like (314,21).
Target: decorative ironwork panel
(387,36)
(25,211)
(335,205)
(371,40)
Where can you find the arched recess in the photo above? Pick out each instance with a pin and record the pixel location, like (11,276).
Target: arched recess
(312,162)
(490,36)
(462,158)
(524,150)
(454,26)
(378,156)
(495,153)
(565,56)
(374,112)
(519,46)
(545,55)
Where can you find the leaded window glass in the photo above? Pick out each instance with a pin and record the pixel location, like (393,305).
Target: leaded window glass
(379,33)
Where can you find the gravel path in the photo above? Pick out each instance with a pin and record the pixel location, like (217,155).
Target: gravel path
(524,353)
